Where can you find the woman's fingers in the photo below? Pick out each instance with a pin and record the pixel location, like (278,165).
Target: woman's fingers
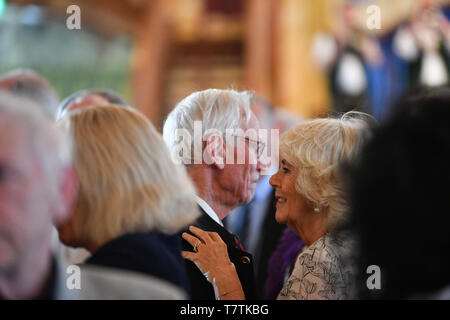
(188,255)
(202,235)
(215,236)
(193,241)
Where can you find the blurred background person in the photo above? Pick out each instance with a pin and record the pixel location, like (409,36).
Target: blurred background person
(90,97)
(423,42)
(369,69)
(132,198)
(397,199)
(341,55)
(311,200)
(37,192)
(29,84)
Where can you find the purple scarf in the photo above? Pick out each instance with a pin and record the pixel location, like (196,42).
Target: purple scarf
(282,260)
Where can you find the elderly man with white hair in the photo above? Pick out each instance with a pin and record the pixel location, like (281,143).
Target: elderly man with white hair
(37,190)
(213,133)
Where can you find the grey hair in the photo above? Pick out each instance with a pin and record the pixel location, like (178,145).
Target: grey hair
(32,86)
(50,145)
(111,96)
(216,109)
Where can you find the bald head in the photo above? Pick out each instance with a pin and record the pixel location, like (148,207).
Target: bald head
(28,84)
(89,98)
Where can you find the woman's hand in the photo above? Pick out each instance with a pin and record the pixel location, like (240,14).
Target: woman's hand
(210,252)
(211,257)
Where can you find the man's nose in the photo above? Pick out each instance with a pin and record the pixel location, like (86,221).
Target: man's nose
(263,163)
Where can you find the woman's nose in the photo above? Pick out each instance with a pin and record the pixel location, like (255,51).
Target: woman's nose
(274,180)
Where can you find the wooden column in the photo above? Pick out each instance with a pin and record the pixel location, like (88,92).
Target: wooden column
(299,83)
(151,44)
(258,46)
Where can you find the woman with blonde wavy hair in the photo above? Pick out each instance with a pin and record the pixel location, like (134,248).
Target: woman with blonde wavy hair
(312,202)
(132,200)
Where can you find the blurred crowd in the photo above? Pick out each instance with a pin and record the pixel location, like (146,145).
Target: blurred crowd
(368,70)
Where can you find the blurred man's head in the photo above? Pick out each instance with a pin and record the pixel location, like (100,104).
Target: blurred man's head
(88,98)
(285,119)
(36,188)
(30,85)
(264,111)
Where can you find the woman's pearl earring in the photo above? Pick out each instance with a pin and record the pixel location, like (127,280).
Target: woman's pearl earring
(316,209)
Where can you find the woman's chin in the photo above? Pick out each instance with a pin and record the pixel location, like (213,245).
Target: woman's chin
(279,218)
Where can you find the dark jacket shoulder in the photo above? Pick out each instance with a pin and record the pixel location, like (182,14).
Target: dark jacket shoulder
(151,253)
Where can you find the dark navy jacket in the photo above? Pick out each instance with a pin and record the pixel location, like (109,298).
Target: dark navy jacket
(151,253)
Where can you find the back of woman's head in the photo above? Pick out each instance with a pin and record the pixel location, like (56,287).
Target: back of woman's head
(127,180)
(317,148)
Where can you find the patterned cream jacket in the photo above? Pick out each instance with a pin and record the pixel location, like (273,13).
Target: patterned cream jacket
(323,271)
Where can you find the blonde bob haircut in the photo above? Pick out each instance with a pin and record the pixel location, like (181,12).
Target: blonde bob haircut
(317,148)
(127,180)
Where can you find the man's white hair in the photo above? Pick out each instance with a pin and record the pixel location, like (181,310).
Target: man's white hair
(49,144)
(216,109)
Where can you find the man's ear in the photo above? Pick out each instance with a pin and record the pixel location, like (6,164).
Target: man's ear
(67,194)
(215,151)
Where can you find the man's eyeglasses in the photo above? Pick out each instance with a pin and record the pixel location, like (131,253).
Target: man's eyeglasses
(258,146)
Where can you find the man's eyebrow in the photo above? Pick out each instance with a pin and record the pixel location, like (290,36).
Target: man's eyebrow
(283,162)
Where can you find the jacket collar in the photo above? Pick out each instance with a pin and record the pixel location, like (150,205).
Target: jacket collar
(208,210)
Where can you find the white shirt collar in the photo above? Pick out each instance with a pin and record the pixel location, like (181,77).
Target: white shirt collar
(209,211)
